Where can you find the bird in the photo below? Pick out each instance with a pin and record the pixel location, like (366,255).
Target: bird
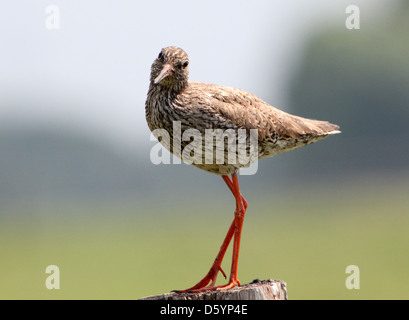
(201,107)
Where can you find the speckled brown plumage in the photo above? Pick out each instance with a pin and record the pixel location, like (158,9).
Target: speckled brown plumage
(172,98)
(209,106)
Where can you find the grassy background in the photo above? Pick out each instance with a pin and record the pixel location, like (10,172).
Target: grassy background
(307,240)
(64,179)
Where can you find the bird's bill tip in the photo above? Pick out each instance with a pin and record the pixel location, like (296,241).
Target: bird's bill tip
(166,71)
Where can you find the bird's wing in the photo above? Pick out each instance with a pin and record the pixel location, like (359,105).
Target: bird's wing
(227,107)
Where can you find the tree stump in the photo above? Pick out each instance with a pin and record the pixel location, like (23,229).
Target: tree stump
(256,290)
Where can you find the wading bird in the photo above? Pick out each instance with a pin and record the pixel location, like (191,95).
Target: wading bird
(173,98)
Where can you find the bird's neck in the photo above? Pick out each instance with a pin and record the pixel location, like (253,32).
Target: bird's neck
(169,88)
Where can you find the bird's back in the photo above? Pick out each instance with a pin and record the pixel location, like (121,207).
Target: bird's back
(236,108)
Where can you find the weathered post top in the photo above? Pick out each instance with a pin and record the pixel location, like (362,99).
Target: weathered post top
(256,290)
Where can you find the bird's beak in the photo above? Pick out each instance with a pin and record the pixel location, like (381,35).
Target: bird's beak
(166,71)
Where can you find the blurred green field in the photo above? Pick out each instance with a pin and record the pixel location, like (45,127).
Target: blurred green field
(307,240)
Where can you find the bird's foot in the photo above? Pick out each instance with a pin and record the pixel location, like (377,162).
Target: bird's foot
(230,285)
(207,283)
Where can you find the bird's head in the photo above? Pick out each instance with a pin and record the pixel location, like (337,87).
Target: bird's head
(170,69)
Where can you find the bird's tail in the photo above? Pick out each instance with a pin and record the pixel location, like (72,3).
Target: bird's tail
(304,126)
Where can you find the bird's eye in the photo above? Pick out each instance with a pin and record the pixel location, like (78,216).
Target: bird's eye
(185,64)
(160,56)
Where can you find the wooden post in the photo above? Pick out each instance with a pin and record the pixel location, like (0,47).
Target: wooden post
(256,290)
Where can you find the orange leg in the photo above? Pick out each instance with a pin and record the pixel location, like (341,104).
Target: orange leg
(234,230)
(238,225)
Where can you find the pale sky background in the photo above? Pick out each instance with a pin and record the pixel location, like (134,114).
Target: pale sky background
(93,73)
